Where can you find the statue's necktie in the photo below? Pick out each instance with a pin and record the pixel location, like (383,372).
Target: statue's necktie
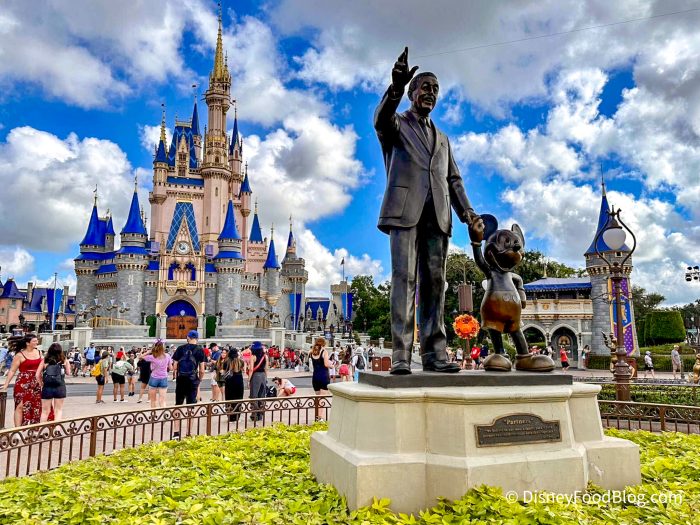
(427,131)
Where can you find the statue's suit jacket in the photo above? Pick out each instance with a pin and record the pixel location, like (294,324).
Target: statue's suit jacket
(412,169)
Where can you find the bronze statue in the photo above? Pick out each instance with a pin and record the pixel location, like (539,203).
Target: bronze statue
(423,184)
(505,296)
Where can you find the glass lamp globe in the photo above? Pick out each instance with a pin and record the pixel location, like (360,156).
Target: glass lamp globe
(614,237)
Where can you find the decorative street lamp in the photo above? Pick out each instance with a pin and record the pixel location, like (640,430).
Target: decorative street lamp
(220,315)
(692,273)
(614,237)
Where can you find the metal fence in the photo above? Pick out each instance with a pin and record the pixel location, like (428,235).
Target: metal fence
(648,416)
(45,446)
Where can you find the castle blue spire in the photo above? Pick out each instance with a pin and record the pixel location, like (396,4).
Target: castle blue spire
(245,186)
(195,120)
(229,231)
(160,153)
(234,135)
(603,218)
(93,236)
(134,223)
(109,229)
(271,261)
(255,231)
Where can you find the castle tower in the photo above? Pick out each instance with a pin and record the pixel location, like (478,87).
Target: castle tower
(91,255)
(256,251)
(215,170)
(235,156)
(160,178)
(244,198)
(270,288)
(109,234)
(196,135)
(131,262)
(294,279)
(601,288)
(229,267)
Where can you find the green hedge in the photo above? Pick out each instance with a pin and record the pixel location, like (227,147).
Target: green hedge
(263,477)
(639,325)
(664,326)
(657,394)
(151,322)
(662,363)
(210,330)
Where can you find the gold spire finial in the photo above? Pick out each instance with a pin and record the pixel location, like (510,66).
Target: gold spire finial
(95,192)
(290,222)
(218,73)
(162,124)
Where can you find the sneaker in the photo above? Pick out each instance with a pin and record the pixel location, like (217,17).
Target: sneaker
(140,401)
(123,401)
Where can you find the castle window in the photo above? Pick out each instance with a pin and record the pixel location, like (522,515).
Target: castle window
(131,280)
(230,282)
(207,221)
(216,160)
(13,303)
(216,192)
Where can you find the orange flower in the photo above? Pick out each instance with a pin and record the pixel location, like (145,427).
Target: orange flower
(466,326)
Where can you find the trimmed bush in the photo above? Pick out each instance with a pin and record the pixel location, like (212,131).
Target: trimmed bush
(662,363)
(664,326)
(151,322)
(657,394)
(262,477)
(639,325)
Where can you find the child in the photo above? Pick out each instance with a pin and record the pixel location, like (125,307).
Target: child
(285,387)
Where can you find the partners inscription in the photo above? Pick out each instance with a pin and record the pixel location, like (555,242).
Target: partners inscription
(517,429)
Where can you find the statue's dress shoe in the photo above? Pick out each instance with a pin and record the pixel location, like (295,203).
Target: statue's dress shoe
(441,366)
(534,363)
(400,368)
(497,363)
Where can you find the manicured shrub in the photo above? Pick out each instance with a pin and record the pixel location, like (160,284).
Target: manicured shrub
(657,394)
(263,477)
(664,326)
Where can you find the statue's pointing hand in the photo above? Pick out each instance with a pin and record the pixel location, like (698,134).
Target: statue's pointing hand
(476,229)
(401,75)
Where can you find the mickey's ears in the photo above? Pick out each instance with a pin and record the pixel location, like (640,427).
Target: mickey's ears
(490,225)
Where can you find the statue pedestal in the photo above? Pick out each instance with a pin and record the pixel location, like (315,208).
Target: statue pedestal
(407,439)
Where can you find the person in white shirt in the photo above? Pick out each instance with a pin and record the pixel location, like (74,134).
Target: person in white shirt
(285,387)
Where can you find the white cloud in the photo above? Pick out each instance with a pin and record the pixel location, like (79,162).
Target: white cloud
(150,137)
(15,261)
(48,186)
(324,266)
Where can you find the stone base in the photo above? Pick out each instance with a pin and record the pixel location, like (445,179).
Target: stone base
(415,445)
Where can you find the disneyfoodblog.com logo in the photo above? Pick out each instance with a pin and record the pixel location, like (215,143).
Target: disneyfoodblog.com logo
(598,498)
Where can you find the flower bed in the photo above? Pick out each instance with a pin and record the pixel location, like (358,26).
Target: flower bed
(262,476)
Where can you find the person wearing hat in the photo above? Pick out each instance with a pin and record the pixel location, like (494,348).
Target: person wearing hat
(648,365)
(188,371)
(258,378)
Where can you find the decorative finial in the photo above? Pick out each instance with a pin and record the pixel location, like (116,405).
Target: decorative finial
(256,205)
(602,179)
(95,192)
(162,124)
(194,92)
(246,168)
(219,3)
(272,231)
(136,182)
(290,222)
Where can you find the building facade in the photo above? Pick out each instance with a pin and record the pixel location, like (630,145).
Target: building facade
(204,255)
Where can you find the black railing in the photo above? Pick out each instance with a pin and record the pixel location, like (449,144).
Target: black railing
(44,446)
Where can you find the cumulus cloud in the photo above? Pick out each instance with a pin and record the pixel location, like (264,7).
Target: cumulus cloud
(150,136)
(14,261)
(48,185)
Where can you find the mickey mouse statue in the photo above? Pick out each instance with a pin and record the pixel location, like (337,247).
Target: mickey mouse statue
(505,296)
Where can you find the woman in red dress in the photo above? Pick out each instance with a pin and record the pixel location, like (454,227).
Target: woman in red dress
(27,392)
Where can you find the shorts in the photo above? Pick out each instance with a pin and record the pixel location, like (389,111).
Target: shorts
(294,391)
(100,380)
(185,390)
(118,379)
(648,368)
(158,382)
(144,379)
(90,362)
(565,364)
(319,384)
(344,370)
(53,392)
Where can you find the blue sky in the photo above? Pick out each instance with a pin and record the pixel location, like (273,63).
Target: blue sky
(533,119)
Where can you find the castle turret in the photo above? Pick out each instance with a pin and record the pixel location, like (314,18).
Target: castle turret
(196,135)
(293,281)
(244,198)
(229,267)
(270,288)
(160,178)
(131,262)
(109,234)
(601,287)
(92,255)
(235,153)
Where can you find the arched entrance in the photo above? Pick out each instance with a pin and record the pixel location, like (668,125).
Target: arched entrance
(566,337)
(533,334)
(182,317)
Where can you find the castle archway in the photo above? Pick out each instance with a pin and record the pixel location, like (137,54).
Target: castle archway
(565,336)
(182,317)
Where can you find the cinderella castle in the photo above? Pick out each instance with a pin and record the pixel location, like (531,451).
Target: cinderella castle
(205,262)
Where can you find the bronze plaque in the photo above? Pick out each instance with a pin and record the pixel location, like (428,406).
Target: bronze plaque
(517,429)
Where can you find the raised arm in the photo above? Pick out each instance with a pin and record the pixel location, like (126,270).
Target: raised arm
(385,119)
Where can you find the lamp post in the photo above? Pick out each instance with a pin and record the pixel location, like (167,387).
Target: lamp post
(614,237)
(220,315)
(692,273)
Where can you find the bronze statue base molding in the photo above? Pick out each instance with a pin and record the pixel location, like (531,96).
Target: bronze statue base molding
(417,444)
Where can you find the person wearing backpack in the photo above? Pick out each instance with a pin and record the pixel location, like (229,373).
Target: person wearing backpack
(188,371)
(99,372)
(358,363)
(51,375)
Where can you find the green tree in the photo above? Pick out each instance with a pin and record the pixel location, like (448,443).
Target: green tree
(645,302)
(663,326)
(371,304)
